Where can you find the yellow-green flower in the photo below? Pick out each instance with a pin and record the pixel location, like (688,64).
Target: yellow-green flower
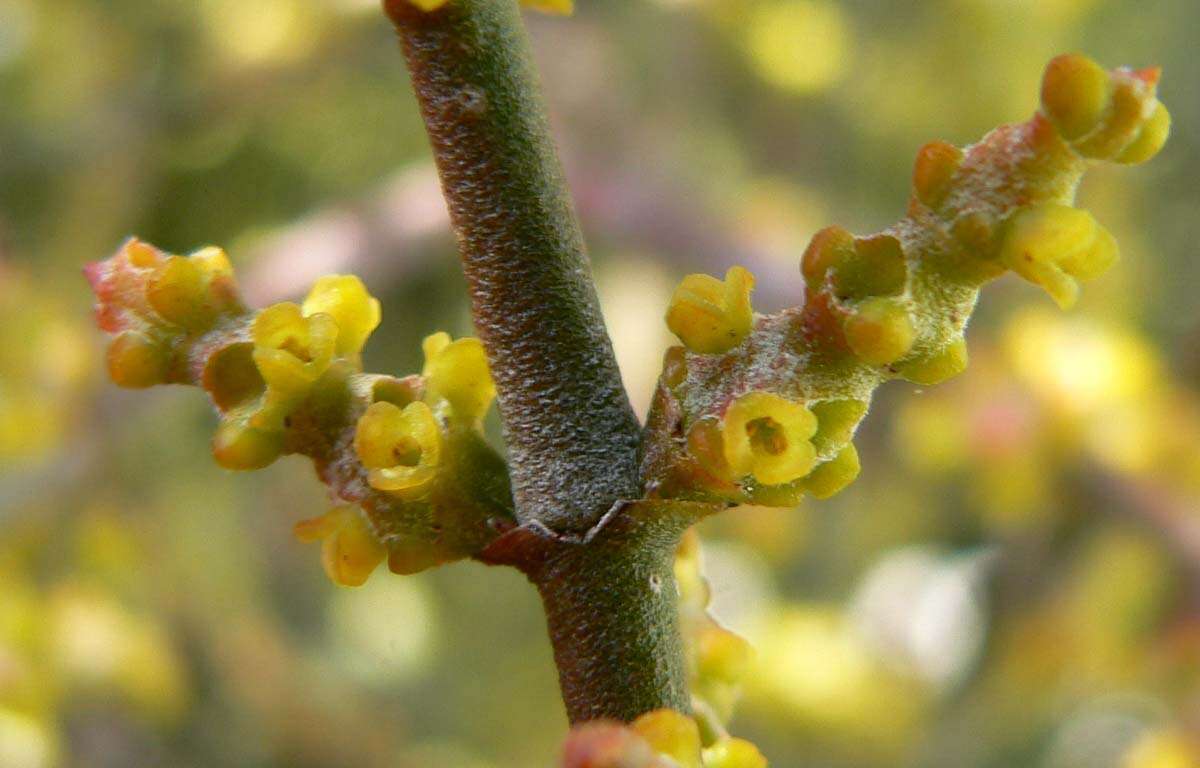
(710,315)
(292,351)
(672,734)
(401,448)
(456,372)
(768,437)
(1055,246)
(353,309)
(349,551)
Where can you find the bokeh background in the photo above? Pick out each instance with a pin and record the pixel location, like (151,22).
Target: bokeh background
(1013,581)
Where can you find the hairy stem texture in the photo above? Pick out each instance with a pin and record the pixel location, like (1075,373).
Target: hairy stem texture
(611,608)
(572,436)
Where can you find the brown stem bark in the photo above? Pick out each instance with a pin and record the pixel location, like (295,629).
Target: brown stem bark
(572,436)
(605,577)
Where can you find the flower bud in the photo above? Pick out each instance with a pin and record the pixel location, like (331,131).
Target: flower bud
(721,655)
(240,445)
(176,290)
(879,331)
(936,165)
(936,368)
(137,362)
(1051,245)
(836,422)
(768,437)
(410,556)
(1075,94)
(828,248)
(1151,138)
(401,448)
(832,476)
(601,744)
(355,312)
(711,316)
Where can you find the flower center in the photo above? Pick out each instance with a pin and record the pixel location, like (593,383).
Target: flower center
(766,436)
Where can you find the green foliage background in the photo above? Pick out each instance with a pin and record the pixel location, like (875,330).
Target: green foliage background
(1013,581)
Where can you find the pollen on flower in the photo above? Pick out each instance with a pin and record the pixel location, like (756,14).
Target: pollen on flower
(456,372)
(1055,246)
(709,315)
(349,551)
(401,448)
(767,436)
(354,311)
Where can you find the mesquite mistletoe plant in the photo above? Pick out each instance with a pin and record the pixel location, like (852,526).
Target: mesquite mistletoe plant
(594,508)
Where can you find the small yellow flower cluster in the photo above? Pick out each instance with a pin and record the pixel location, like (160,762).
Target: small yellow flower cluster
(407,455)
(766,406)
(1105,115)
(402,446)
(718,658)
(293,348)
(151,301)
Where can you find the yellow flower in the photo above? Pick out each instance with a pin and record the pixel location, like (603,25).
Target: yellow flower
(292,351)
(457,372)
(672,734)
(401,448)
(711,316)
(240,443)
(768,437)
(1054,246)
(345,299)
(184,290)
(349,551)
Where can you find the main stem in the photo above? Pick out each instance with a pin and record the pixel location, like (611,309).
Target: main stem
(571,434)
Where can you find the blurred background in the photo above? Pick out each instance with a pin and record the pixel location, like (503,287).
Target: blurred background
(1013,581)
